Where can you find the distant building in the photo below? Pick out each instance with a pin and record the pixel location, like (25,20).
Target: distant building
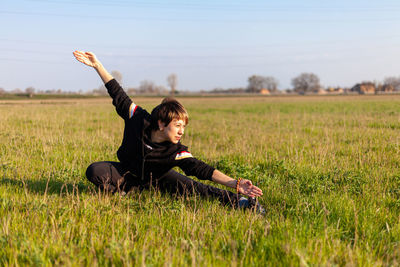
(339,90)
(265,91)
(335,91)
(364,88)
(387,88)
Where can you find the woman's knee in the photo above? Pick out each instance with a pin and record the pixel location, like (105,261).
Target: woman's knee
(94,171)
(90,171)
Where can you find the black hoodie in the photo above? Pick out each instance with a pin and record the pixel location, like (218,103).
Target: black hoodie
(142,157)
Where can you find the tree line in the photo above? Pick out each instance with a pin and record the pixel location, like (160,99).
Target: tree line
(310,83)
(302,84)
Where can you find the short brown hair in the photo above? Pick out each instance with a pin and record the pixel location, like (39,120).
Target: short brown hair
(168,110)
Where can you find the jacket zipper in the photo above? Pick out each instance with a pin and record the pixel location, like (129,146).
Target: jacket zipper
(143,168)
(144,158)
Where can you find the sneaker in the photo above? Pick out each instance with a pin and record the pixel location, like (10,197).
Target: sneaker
(252,204)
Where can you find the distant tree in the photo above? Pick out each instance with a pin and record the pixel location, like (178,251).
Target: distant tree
(131,91)
(117,76)
(258,82)
(393,81)
(2,91)
(148,87)
(16,91)
(271,84)
(30,91)
(100,91)
(163,90)
(220,90)
(306,82)
(172,80)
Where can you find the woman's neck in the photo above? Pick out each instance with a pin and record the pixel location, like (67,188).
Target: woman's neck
(157,136)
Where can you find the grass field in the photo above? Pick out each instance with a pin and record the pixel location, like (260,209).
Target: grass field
(329,168)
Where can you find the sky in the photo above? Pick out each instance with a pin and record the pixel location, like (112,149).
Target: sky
(208,44)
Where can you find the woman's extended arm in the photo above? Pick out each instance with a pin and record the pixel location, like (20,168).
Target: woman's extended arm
(192,166)
(89,59)
(245,187)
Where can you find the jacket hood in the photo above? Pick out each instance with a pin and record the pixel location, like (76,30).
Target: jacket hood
(160,150)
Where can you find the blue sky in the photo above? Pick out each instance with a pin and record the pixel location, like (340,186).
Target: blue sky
(208,44)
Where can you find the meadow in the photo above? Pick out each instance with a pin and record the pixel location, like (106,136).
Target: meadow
(329,167)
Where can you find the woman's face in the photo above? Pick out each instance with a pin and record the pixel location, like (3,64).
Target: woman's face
(173,132)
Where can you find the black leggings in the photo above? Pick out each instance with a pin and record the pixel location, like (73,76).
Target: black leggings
(110,176)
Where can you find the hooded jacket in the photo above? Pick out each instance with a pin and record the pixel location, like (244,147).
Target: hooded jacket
(138,154)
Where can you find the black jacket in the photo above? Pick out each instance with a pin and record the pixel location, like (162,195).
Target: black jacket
(142,157)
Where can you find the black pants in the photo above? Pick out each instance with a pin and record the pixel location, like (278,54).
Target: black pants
(110,176)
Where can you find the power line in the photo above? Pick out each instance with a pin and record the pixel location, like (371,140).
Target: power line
(184,57)
(31,60)
(214,46)
(206,65)
(230,6)
(197,19)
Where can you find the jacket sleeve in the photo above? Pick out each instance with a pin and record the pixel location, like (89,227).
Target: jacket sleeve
(194,167)
(122,102)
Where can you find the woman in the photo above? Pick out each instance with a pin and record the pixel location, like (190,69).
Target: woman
(151,148)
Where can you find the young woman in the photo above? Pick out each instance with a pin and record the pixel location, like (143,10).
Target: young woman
(151,148)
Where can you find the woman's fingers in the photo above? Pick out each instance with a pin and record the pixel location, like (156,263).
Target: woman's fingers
(249,189)
(258,191)
(254,191)
(90,54)
(83,57)
(79,54)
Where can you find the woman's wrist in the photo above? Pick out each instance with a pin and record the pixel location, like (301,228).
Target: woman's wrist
(103,73)
(238,185)
(232,183)
(98,66)
(223,179)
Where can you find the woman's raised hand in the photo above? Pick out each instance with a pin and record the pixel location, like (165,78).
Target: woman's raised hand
(247,188)
(87,58)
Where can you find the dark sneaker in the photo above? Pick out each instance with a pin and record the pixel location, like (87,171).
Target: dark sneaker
(252,204)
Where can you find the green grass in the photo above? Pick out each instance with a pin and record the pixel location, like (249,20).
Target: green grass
(329,168)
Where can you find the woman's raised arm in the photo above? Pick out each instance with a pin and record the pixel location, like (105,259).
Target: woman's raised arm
(89,59)
(123,104)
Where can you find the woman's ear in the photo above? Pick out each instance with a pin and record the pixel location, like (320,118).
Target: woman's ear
(161,125)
